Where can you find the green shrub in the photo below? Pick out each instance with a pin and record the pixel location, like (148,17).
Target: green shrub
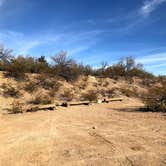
(16,68)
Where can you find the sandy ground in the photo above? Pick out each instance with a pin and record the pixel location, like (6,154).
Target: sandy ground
(97,135)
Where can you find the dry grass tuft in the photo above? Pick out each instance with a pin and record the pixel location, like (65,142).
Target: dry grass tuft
(10,91)
(68,95)
(30,87)
(16,108)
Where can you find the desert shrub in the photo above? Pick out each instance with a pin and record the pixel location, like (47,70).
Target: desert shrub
(106,93)
(156,99)
(68,95)
(162,80)
(16,108)
(86,70)
(52,84)
(129,93)
(48,83)
(16,68)
(115,71)
(9,90)
(41,99)
(67,68)
(91,95)
(30,86)
(5,53)
(52,92)
(148,81)
(106,83)
(139,72)
(42,65)
(82,85)
(102,92)
(63,65)
(110,92)
(127,68)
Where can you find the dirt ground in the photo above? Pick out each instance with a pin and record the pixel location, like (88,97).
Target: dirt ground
(97,135)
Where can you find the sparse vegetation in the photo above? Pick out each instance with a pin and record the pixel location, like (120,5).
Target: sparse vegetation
(156,99)
(91,95)
(30,87)
(10,91)
(48,83)
(129,92)
(64,68)
(110,92)
(68,95)
(16,107)
(67,68)
(5,54)
(41,99)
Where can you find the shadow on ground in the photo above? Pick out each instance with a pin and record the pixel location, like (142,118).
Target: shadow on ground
(136,109)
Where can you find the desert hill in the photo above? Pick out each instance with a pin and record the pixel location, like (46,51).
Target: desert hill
(49,90)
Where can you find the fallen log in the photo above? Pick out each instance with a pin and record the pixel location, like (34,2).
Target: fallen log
(79,103)
(67,104)
(112,99)
(41,107)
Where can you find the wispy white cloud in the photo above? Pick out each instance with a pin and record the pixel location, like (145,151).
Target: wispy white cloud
(17,41)
(154,58)
(149,6)
(158,65)
(79,49)
(131,20)
(28,46)
(137,18)
(155,63)
(71,42)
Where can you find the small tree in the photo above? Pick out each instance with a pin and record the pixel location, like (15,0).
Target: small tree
(65,66)
(42,66)
(5,54)
(16,68)
(129,63)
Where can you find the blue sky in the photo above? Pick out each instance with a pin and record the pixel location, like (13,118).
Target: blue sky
(91,31)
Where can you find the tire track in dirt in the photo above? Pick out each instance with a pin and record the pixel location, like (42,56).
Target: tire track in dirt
(101,138)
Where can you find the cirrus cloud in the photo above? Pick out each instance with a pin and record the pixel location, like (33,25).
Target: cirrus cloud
(150,6)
